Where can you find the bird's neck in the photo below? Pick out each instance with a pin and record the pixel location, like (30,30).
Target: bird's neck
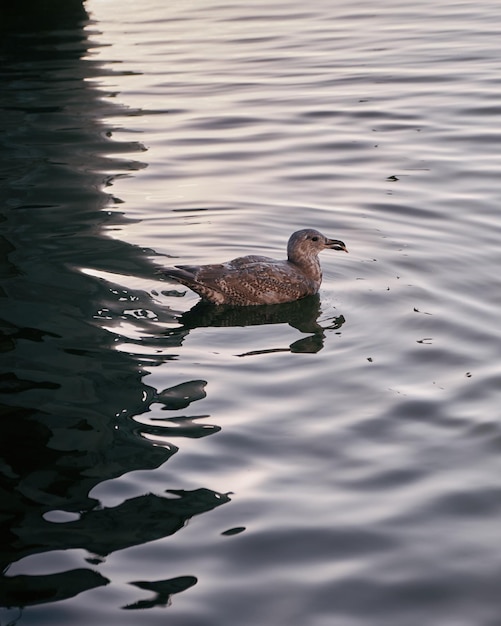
(309,265)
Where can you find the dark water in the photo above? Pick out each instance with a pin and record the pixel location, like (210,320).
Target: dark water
(335,461)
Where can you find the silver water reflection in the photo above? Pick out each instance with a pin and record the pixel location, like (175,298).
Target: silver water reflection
(68,397)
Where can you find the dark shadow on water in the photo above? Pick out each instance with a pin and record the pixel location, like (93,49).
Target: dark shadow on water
(69,400)
(163,590)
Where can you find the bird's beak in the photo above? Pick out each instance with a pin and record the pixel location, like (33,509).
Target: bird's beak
(335,244)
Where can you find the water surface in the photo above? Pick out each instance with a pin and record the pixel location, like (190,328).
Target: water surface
(334,461)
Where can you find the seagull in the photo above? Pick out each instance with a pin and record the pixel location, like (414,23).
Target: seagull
(254,280)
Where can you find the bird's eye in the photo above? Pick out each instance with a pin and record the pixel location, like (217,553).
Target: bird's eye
(314,238)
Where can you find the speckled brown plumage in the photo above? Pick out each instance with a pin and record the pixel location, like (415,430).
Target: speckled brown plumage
(254,280)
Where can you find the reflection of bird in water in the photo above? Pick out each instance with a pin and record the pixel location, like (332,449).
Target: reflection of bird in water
(301,314)
(252,280)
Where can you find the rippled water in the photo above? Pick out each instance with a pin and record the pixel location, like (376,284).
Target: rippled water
(331,462)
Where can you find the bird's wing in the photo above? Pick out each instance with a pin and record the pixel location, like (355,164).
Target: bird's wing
(261,281)
(201,279)
(243,281)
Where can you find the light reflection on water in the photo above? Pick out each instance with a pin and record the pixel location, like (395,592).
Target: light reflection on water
(331,461)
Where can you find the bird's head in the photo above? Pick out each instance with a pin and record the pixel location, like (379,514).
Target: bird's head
(307,243)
